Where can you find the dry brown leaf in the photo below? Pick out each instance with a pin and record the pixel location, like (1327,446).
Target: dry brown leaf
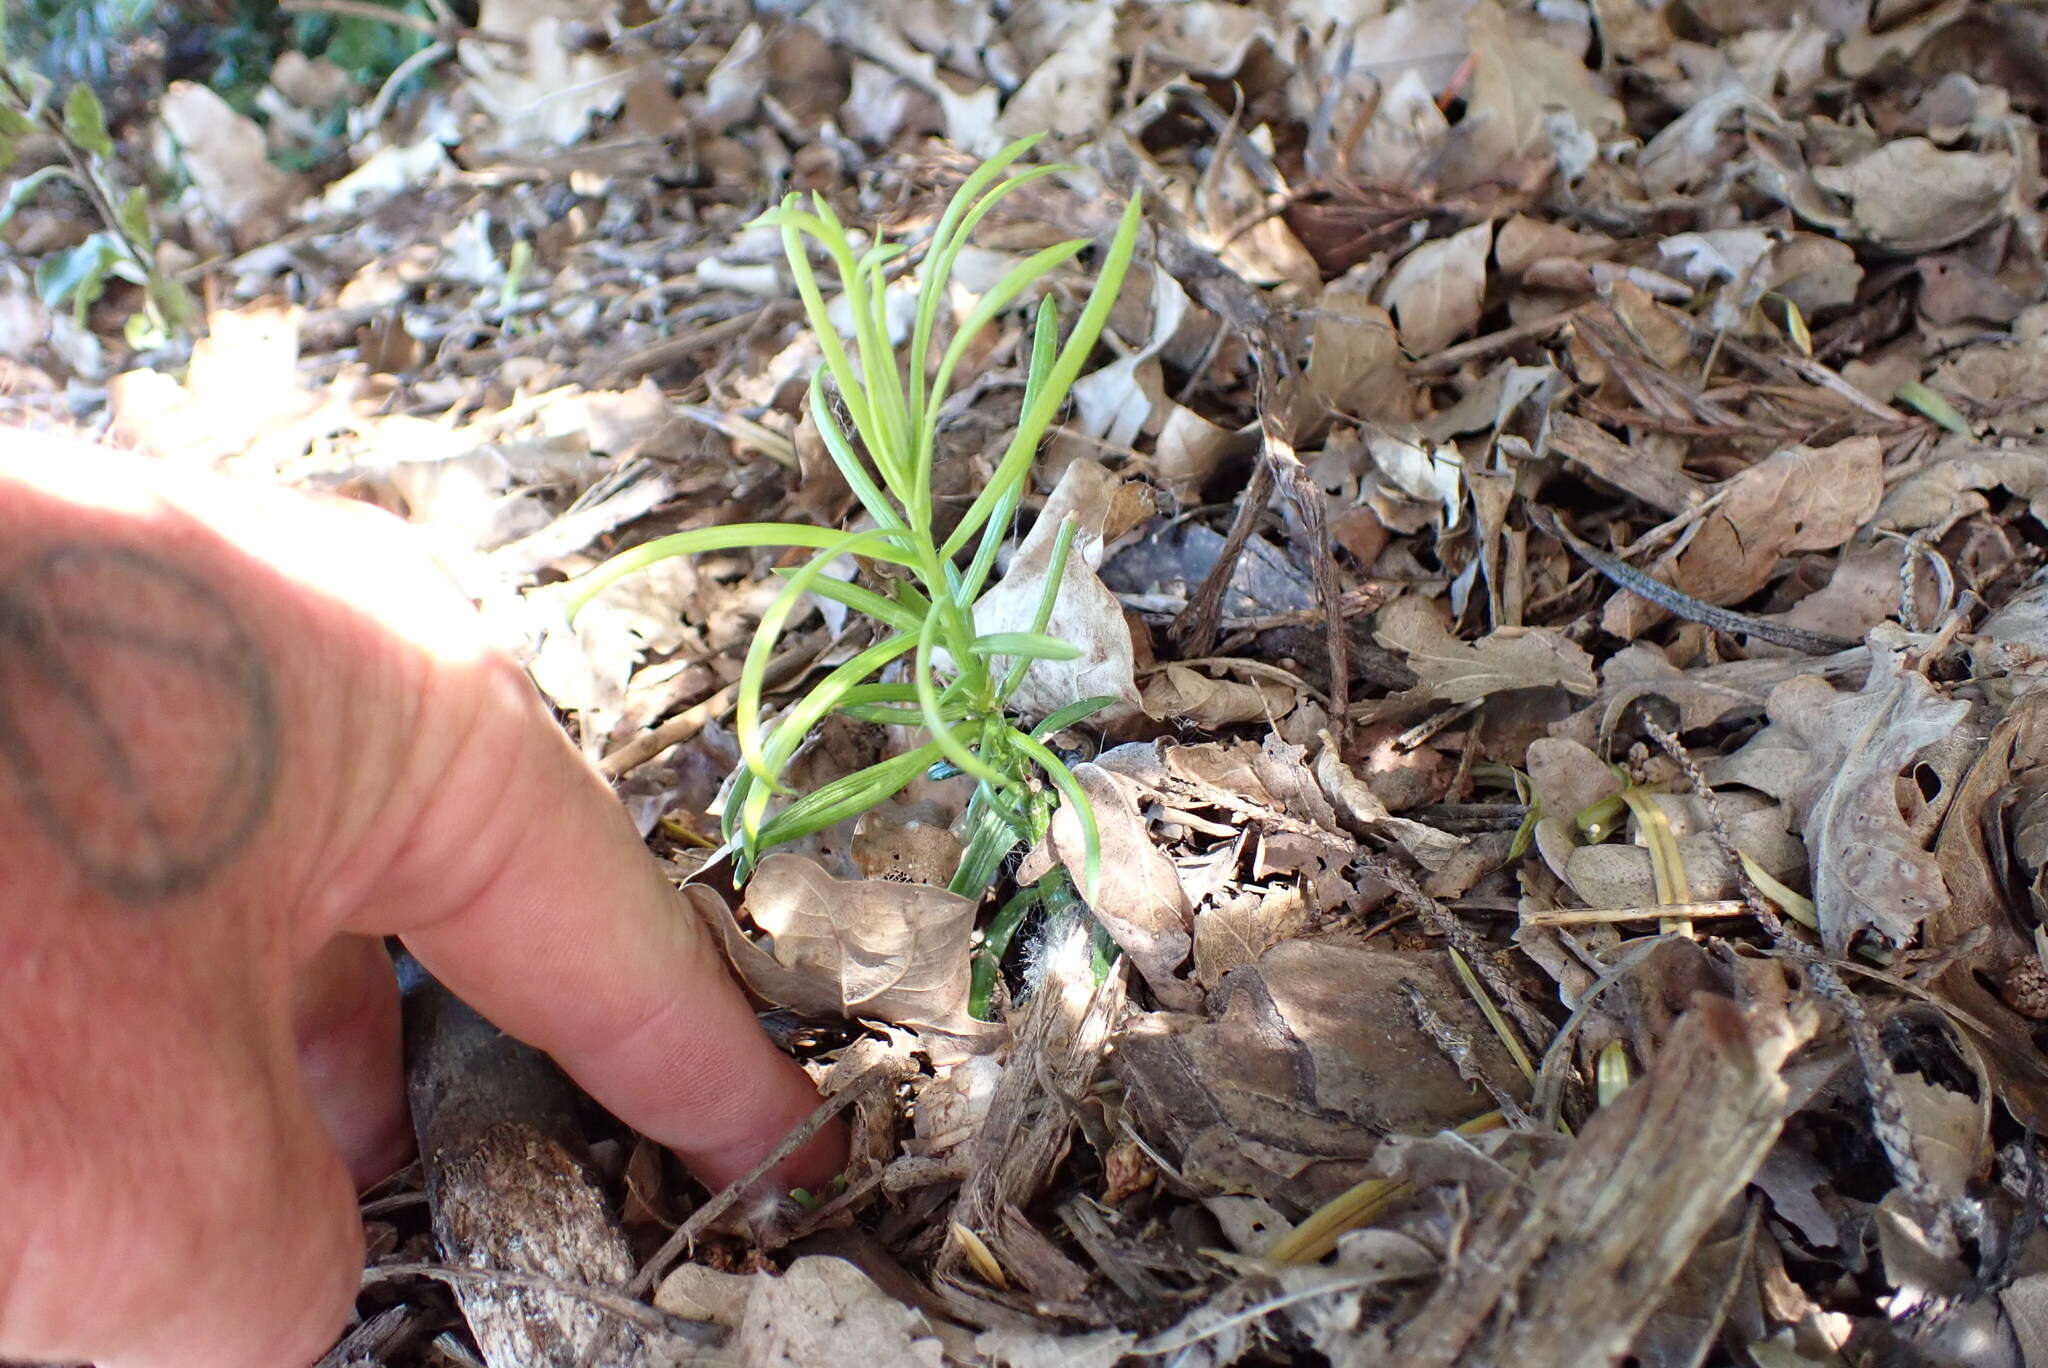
(1868,870)
(1190,449)
(1520,81)
(1989,876)
(1354,364)
(867,948)
(1911,196)
(224,152)
(1086,614)
(1454,671)
(542,87)
(1799,499)
(825,1313)
(1138,896)
(1437,290)
(1183,694)
(1314,1055)
(1068,94)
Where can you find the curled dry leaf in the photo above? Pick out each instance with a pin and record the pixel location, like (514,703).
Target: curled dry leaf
(868,948)
(1989,877)
(1138,896)
(1869,872)
(1183,694)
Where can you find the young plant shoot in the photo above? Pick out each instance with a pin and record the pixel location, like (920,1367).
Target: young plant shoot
(893,404)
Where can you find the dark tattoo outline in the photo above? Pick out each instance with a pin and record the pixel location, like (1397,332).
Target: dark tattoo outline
(34,628)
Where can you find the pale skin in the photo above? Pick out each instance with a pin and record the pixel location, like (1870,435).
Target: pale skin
(243,736)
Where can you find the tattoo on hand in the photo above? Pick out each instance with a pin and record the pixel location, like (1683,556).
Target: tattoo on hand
(138,718)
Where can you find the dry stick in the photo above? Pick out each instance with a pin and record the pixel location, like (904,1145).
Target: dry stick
(1888,1110)
(701,1219)
(1447,361)
(1197,625)
(1646,586)
(386,14)
(686,724)
(1309,506)
(604,1299)
(1478,954)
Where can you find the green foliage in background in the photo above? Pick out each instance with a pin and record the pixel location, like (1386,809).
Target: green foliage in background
(893,414)
(232,50)
(124,248)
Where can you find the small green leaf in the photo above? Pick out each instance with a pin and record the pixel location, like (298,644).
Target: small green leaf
(79,275)
(1058,721)
(1795,324)
(731,537)
(1939,409)
(134,216)
(1035,645)
(85,121)
(23,190)
(846,796)
(145,329)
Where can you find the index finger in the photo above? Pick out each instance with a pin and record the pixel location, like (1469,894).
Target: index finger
(525,889)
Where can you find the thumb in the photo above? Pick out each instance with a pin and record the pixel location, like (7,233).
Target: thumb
(195,1215)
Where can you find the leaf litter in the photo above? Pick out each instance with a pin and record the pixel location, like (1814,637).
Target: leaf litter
(1505,947)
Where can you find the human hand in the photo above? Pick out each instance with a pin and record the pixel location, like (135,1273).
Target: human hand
(242,736)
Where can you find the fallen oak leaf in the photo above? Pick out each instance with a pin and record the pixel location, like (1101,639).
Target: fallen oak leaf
(1912,197)
(867,948)
(1869,872)
(1437,291)
(1454,671)
(1797,499)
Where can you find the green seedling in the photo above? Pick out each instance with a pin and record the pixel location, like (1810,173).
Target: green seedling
(884,449)
(124,248)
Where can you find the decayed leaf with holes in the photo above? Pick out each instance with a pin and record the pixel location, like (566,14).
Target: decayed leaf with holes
(1869,873)
(1436,292)
(867,948)
(1312,1055)
(1800,499)
(1454,671)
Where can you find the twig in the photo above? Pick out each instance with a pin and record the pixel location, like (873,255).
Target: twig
(386,14)
(388,92)
(1671,599)
(1447,361)
(700,1220)
(1607,916)
(1892,1127)
(624,1306)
